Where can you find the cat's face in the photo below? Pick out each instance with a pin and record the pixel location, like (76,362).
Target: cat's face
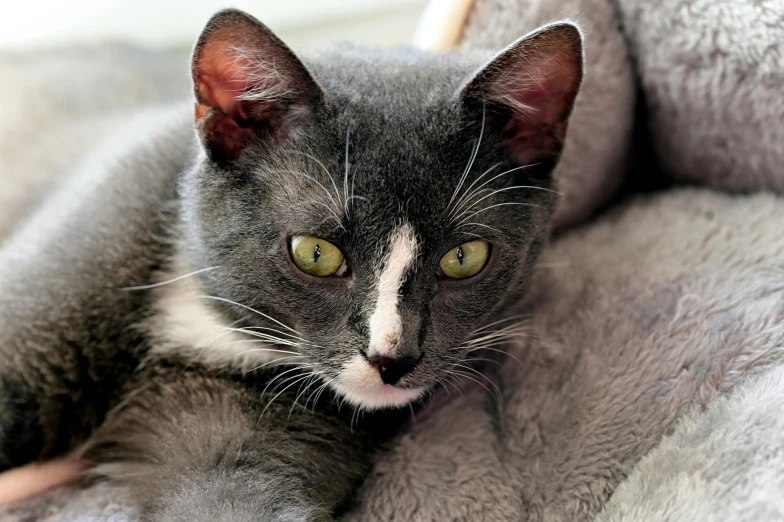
(377,207)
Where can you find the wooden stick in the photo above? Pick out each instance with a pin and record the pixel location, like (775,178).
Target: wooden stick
(441,24)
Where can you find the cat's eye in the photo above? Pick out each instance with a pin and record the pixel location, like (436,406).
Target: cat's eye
(465,261)
(317,257)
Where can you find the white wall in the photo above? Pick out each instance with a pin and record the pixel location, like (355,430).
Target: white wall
(165,23)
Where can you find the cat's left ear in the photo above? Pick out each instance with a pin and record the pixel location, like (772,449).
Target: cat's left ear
(247,83)
(528,90)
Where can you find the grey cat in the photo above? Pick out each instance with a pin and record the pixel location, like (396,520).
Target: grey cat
(231,322)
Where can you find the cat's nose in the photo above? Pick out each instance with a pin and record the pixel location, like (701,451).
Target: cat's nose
(392,369)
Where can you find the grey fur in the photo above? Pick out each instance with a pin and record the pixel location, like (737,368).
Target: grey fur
(195,441)
(614,358)
(724,273)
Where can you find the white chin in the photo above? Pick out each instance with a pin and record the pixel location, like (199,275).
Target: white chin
(380,396)
(361,385)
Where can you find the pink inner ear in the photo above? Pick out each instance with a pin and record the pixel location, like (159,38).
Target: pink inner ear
(539,90)
(221,78)
(246,82)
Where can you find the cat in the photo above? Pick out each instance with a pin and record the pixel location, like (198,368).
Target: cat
(231,321)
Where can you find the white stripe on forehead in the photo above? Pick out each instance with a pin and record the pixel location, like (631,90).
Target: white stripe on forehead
(385,323)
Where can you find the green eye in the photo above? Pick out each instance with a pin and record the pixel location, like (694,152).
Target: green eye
(317,257)
(466,260)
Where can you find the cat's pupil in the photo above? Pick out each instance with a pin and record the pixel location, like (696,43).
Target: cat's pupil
(460,254)
(316,253)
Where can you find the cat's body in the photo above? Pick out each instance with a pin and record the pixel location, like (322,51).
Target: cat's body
(80,354)
(169,387)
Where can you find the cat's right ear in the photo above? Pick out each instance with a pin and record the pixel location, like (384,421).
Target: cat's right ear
(248,85)
(528,90)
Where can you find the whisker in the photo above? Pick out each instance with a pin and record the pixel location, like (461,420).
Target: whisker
(456,387)
(513,328)
(272,338)
(510,318)
(472,224)
(460,375)
(472,214)
(281,374)
(470,161)
(250,309)
(281,392)
(468,190)
(334,185)
(270,329)
(353,414)
(482,359)
(496,342)
(278,376)
(493,193)
(271,350)
(441,383)
(262,341)
(276,361)
(470,377)
(317,182)
(345,176)
(477,190)
(496,350)
(465,366)
(173,280)
(480,236)
(309,383)
(318,393)
(332,214)
(497,337)
(285,381)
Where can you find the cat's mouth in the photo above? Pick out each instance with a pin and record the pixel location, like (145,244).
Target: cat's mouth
(361,385)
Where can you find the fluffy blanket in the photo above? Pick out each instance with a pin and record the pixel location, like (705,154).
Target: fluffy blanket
(649,387)
(638,321)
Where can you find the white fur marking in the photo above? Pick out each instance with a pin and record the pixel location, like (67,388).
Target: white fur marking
(385,324)
(361,385)
(183,323)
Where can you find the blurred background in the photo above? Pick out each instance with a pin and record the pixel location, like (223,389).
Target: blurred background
(167,24)
(101,72)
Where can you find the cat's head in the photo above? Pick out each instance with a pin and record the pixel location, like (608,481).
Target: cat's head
(373,209)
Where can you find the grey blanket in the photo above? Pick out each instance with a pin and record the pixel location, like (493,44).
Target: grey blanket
(639,321)
(649,385)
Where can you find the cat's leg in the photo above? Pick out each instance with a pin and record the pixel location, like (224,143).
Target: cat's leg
(193,446)
(51,396)
(66,346)
(66,327)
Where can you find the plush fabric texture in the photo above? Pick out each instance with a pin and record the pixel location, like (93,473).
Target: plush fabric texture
(100,503)
(637,321)
(657,332)
(598,143)
(723,464)
(73,101)
(712,72)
